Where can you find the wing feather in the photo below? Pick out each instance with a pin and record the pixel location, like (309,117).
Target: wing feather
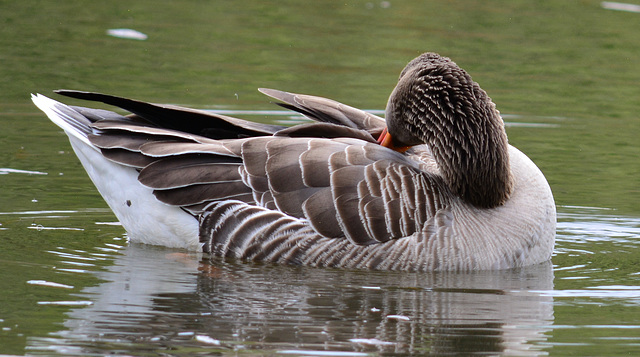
(181,119)
(330,177)
(328,111)
(320,209)
(185,170)
(200,193)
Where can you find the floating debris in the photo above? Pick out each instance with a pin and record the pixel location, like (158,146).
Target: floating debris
(128,34)
(619,6)
(383,4)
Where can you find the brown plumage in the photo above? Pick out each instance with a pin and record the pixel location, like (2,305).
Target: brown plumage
(325,193)
(438,104)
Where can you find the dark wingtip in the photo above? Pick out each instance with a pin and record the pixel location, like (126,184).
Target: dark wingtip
(79,94)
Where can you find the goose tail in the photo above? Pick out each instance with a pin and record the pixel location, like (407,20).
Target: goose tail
(70,120)
(146,219)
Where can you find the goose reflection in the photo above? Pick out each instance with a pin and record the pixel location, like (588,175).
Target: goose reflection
(155,299)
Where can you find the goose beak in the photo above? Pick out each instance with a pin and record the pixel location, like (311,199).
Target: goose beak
(386,141)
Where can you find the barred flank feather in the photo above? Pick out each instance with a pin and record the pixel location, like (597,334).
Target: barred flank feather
(235,229)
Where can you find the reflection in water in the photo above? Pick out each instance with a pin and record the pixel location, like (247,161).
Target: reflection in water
(154,299)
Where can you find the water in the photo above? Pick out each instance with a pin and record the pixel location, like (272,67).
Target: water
(564,74)
(145,300)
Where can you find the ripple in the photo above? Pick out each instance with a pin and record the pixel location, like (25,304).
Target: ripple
(590,224)
(599,294)
(49,284)
(66,303)
(5,171)
(321,353)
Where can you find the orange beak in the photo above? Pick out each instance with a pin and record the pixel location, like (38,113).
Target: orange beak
(385,140)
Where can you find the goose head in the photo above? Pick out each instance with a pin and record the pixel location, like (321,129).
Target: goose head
(438,104)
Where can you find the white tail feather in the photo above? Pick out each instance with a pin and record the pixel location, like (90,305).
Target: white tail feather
(72,122)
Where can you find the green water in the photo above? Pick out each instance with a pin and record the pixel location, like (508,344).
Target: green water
(564,73)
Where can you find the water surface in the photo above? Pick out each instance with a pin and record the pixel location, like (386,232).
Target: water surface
(564,75)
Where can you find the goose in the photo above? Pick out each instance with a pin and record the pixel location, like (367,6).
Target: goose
(434,186)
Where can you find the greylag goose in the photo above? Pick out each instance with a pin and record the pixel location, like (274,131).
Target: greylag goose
(437,187)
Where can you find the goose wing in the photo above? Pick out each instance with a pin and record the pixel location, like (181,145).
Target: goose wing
(328,111)
(193,121)
(342,182)
(344,187)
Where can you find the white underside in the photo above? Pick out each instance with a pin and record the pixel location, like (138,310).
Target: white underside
(146,219)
